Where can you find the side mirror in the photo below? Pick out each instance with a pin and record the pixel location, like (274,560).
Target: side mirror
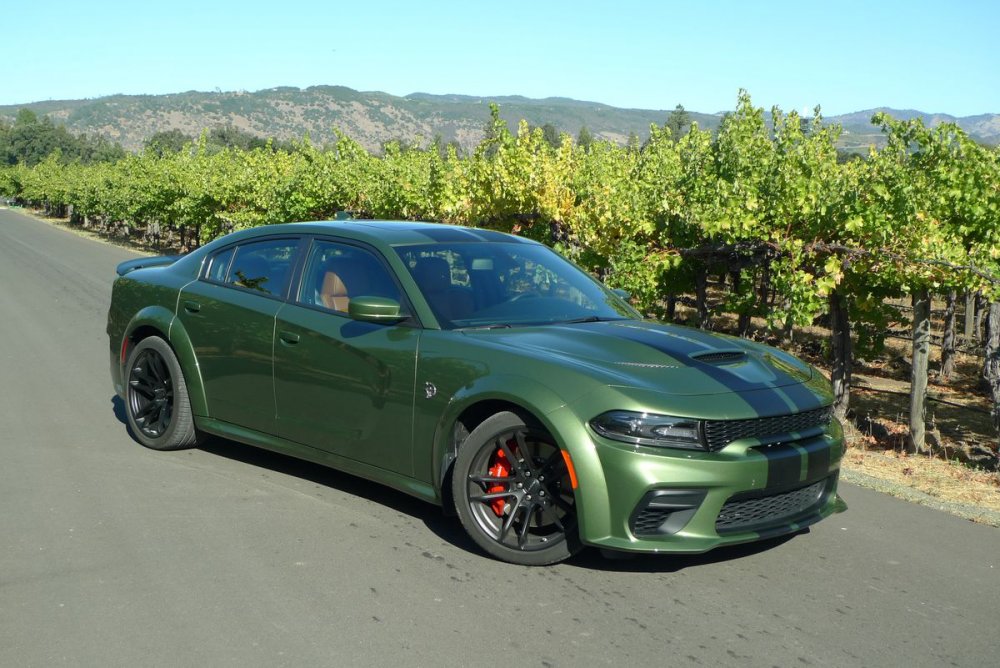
(375,309)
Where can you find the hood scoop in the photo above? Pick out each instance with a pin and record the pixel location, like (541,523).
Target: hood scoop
(720,356)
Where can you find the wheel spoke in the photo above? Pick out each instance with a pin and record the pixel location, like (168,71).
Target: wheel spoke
(162,420)
(492,496)
(145,411)
(141,374)
(522,532)
(484,480)
(555,517)
(508,452)
(158,368)
(522,447)
(509,520)
(142,388)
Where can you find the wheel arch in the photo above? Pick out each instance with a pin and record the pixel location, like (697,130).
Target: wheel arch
(159,321)
(472,406)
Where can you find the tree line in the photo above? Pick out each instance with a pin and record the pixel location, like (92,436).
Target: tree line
(760,219)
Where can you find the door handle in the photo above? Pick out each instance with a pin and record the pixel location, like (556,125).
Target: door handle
(192,307)
(288,338)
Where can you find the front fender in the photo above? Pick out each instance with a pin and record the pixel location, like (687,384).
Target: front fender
(551,410)
(530,395)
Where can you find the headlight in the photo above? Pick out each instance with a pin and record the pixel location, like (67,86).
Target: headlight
(662,431)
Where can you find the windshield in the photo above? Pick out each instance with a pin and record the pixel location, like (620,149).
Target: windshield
(491,284)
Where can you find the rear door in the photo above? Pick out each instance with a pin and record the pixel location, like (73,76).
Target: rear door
(229,315)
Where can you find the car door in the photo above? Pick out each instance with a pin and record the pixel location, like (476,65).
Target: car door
(229,316)
(342,385)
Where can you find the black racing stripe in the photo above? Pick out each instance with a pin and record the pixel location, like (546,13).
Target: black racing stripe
(666,342)
(818,454)
(801,397)
(784,465)
(798,394)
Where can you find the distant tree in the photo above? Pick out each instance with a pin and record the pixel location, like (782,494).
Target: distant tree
(848,155)
(633,142)
(551,135)
(584,138)
(30,140)
(166,142)
(230,136)
(678,121)
(95,148)
(442,147)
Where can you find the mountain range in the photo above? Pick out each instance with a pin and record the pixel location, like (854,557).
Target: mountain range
(372,117)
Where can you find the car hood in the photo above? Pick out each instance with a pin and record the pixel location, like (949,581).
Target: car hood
(655,356)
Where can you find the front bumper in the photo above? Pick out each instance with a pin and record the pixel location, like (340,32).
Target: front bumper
(643,499)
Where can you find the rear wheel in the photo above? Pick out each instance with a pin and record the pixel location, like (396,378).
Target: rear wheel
(513,494)
(156,398)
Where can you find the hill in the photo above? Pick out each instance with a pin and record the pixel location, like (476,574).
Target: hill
(373,118)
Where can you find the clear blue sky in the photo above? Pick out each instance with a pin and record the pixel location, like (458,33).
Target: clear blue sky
(846,56)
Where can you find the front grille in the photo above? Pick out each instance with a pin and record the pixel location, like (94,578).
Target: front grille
(720,433)
(749,514)
(649,520)
(662,512)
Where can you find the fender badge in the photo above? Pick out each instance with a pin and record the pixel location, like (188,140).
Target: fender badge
(430,390)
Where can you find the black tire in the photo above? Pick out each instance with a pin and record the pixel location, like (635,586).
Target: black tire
(156,397)
(513,495)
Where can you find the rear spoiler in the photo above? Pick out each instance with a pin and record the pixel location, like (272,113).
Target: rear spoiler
(144,262)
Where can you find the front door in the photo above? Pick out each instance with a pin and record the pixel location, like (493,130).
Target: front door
(341,385)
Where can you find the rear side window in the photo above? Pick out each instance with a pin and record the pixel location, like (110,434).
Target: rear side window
(261,266)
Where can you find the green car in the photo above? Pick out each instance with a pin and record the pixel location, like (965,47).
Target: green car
(481,372)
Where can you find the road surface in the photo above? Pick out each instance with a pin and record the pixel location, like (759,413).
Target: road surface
(114,555)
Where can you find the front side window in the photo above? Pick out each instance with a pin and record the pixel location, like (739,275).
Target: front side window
(336,273)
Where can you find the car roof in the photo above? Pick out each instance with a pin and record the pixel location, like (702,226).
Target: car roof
(393,232)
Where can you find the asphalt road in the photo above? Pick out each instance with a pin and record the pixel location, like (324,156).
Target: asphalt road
(114,555)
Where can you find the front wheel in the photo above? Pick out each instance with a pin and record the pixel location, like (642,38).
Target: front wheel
(156,398)
(513,494)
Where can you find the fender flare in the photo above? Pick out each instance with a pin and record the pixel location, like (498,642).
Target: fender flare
(532,397)
(552,411)
(164,321)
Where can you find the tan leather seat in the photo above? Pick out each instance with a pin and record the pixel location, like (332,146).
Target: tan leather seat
(334,293)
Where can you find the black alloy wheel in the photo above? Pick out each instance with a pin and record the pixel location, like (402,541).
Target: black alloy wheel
(156,398)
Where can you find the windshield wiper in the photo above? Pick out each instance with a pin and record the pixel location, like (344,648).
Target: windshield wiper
(589,318)
(495,325)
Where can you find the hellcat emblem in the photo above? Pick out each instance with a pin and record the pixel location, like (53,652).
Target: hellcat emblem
(430,390)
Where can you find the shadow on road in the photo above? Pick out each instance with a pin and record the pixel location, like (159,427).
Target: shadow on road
(118,406)
(449,529)
(624,562)
(446,528)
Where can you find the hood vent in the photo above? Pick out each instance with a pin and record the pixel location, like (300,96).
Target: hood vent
(720,356)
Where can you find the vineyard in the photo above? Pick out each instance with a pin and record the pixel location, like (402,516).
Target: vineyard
(758,228)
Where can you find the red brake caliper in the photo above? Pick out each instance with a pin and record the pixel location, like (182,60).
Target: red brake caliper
(500,469)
